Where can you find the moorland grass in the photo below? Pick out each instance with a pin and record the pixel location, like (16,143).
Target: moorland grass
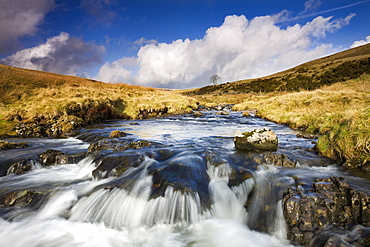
(340,113)
(29,95)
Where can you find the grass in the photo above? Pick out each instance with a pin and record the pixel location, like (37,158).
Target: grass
(340,113)
(33,96)
(339,110)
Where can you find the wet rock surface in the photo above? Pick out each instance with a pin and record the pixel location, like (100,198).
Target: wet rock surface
(53,157)
(120,145)
(183,173)
(4,145)
(48,158)
(23,198)
(117,134)
(256,140)
(117,164)
(21,167)
(331,202)
(276,159)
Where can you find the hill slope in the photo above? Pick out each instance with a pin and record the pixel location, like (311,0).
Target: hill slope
(349,64)
(40,100)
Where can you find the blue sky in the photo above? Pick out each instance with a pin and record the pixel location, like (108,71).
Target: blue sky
(176,43)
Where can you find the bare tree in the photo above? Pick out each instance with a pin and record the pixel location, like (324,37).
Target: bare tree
(213,79)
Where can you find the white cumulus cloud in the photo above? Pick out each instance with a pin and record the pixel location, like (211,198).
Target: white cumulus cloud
(361,42)
(60,54)
(19,18)
(238,49)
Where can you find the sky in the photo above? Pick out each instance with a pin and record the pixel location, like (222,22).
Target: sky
(176,43)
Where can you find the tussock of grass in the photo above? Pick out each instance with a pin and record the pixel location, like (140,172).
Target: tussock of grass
(340,113)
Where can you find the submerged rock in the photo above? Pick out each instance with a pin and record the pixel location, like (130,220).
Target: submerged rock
(256,140)
(120,145)
(185,173)
(11,145)
(116,165)
(329,202)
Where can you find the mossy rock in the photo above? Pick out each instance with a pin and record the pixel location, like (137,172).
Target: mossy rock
(256,140)
(117,134)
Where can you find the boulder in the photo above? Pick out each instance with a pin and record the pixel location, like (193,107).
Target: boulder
(53,157)
(256,140)
(21,167)
(117,134)
(329,202)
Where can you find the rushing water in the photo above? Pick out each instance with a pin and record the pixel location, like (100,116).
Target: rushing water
(199,206)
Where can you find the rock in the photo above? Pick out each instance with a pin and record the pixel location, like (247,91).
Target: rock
(23,198)
(53,157)
(119,145)
(117,134)
(329,202)
(237,174)
(357,236)
(185,173)
(308,136)
(11,145)
(198,114)
(225,113)
(21,167)
(278,159)
(256,140)
(357,164)
(116,165)
(55,127)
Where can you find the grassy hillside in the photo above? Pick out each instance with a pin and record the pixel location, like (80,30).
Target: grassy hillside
(41,98)
(340,113)
(328,96)
(349,64)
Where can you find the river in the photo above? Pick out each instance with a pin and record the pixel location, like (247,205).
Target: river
(183,191)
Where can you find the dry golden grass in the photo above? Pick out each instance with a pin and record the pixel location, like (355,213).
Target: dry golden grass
(31,94)
(340,112)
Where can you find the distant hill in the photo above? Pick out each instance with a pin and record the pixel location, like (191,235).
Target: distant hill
(349,64)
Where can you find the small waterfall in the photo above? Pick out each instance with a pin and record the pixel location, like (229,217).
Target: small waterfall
(228,203)
(280,227)
(118,208)
(264,210)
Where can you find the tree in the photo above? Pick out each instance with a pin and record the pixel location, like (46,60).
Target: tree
(213,79)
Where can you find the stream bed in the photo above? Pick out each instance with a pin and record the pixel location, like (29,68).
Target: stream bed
(183,183)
